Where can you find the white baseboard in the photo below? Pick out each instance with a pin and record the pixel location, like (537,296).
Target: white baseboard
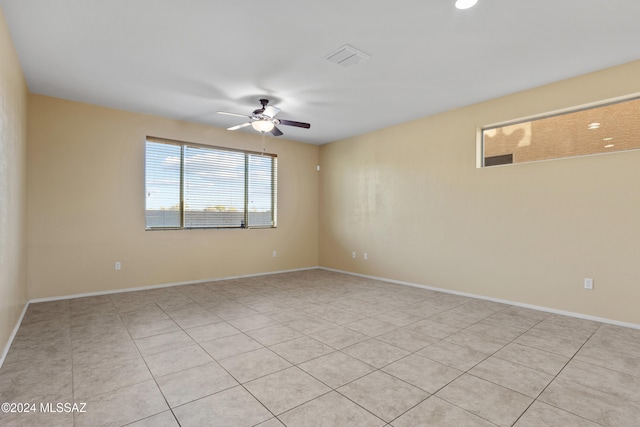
(13,335)
(503,301)
(166,285)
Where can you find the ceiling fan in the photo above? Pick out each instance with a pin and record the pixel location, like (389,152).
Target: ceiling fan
(263,120)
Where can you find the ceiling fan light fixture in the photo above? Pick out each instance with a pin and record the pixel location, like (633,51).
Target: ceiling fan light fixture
(263,125)
(465,4)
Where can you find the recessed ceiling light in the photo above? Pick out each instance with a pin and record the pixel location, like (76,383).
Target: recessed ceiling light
(465,4)
(609,145)
(594,125)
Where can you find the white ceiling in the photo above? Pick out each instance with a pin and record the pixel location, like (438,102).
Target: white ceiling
(187,59)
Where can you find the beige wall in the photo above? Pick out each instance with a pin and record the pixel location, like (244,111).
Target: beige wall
(13,187)
(412,198)
(86,205)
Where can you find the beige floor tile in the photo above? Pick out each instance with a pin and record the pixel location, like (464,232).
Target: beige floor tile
(336,369)
(493,329)
(194,383)
(142,330)
(611,382)
(286,389)
(39,354)
(273,422)
(84,348)
(175,360)
(611,359)
(539,360)
(478,342)
(339,337)
(490,401)
(433,329)
(190,318)
(338,317)
(80,313)
(163,342)
(29,419)
(518,317)
(437,412)
(427,374)
(331,409)
(222,348)
(175,302)
(457,320)
(97,355)
(232,407)
(257,321)
(617,338)
(254,364)
(551,343)
(83,302)
(288,315)
(309,325)
(512,376)
(398,318)
(592,404)
(406,339)
(301,349)
(100,333)
(541,414)
(163,419)
(572,323)
(371,327)
(90,381)
(26,372)
(480,307)
(148,315)
(423,309)
(375,353)
(274,334)
(456,356)
(232,311)
(122,406)
(384,395)
(50,389)
(211,331)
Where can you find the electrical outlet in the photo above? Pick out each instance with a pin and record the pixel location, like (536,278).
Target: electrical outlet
(118,265)
(275,254)
(588,283)
(365,256)
(353,254)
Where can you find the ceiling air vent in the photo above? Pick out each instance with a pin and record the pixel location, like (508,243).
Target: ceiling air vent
(347,56)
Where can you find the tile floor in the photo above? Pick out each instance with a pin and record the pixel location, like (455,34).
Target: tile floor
(317,348)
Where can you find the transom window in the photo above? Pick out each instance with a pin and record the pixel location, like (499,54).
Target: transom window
(601,129)
(194,186)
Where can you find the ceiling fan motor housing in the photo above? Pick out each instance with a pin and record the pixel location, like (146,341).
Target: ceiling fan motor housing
(258,118)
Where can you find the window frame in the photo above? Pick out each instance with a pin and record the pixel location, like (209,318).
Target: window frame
(480,131)
(246,213)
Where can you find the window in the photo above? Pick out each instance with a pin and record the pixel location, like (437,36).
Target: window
(601,129)
(195,186)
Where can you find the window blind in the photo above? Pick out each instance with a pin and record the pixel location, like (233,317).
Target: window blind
(194,186)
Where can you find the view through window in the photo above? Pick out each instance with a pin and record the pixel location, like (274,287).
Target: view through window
(602,129)
(194,186)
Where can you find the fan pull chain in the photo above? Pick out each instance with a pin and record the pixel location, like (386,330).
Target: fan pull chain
(263,149)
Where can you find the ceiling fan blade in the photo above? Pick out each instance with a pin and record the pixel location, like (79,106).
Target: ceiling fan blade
(296,124)
(276,132)
(271,111)
(243,125)
(233,114)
